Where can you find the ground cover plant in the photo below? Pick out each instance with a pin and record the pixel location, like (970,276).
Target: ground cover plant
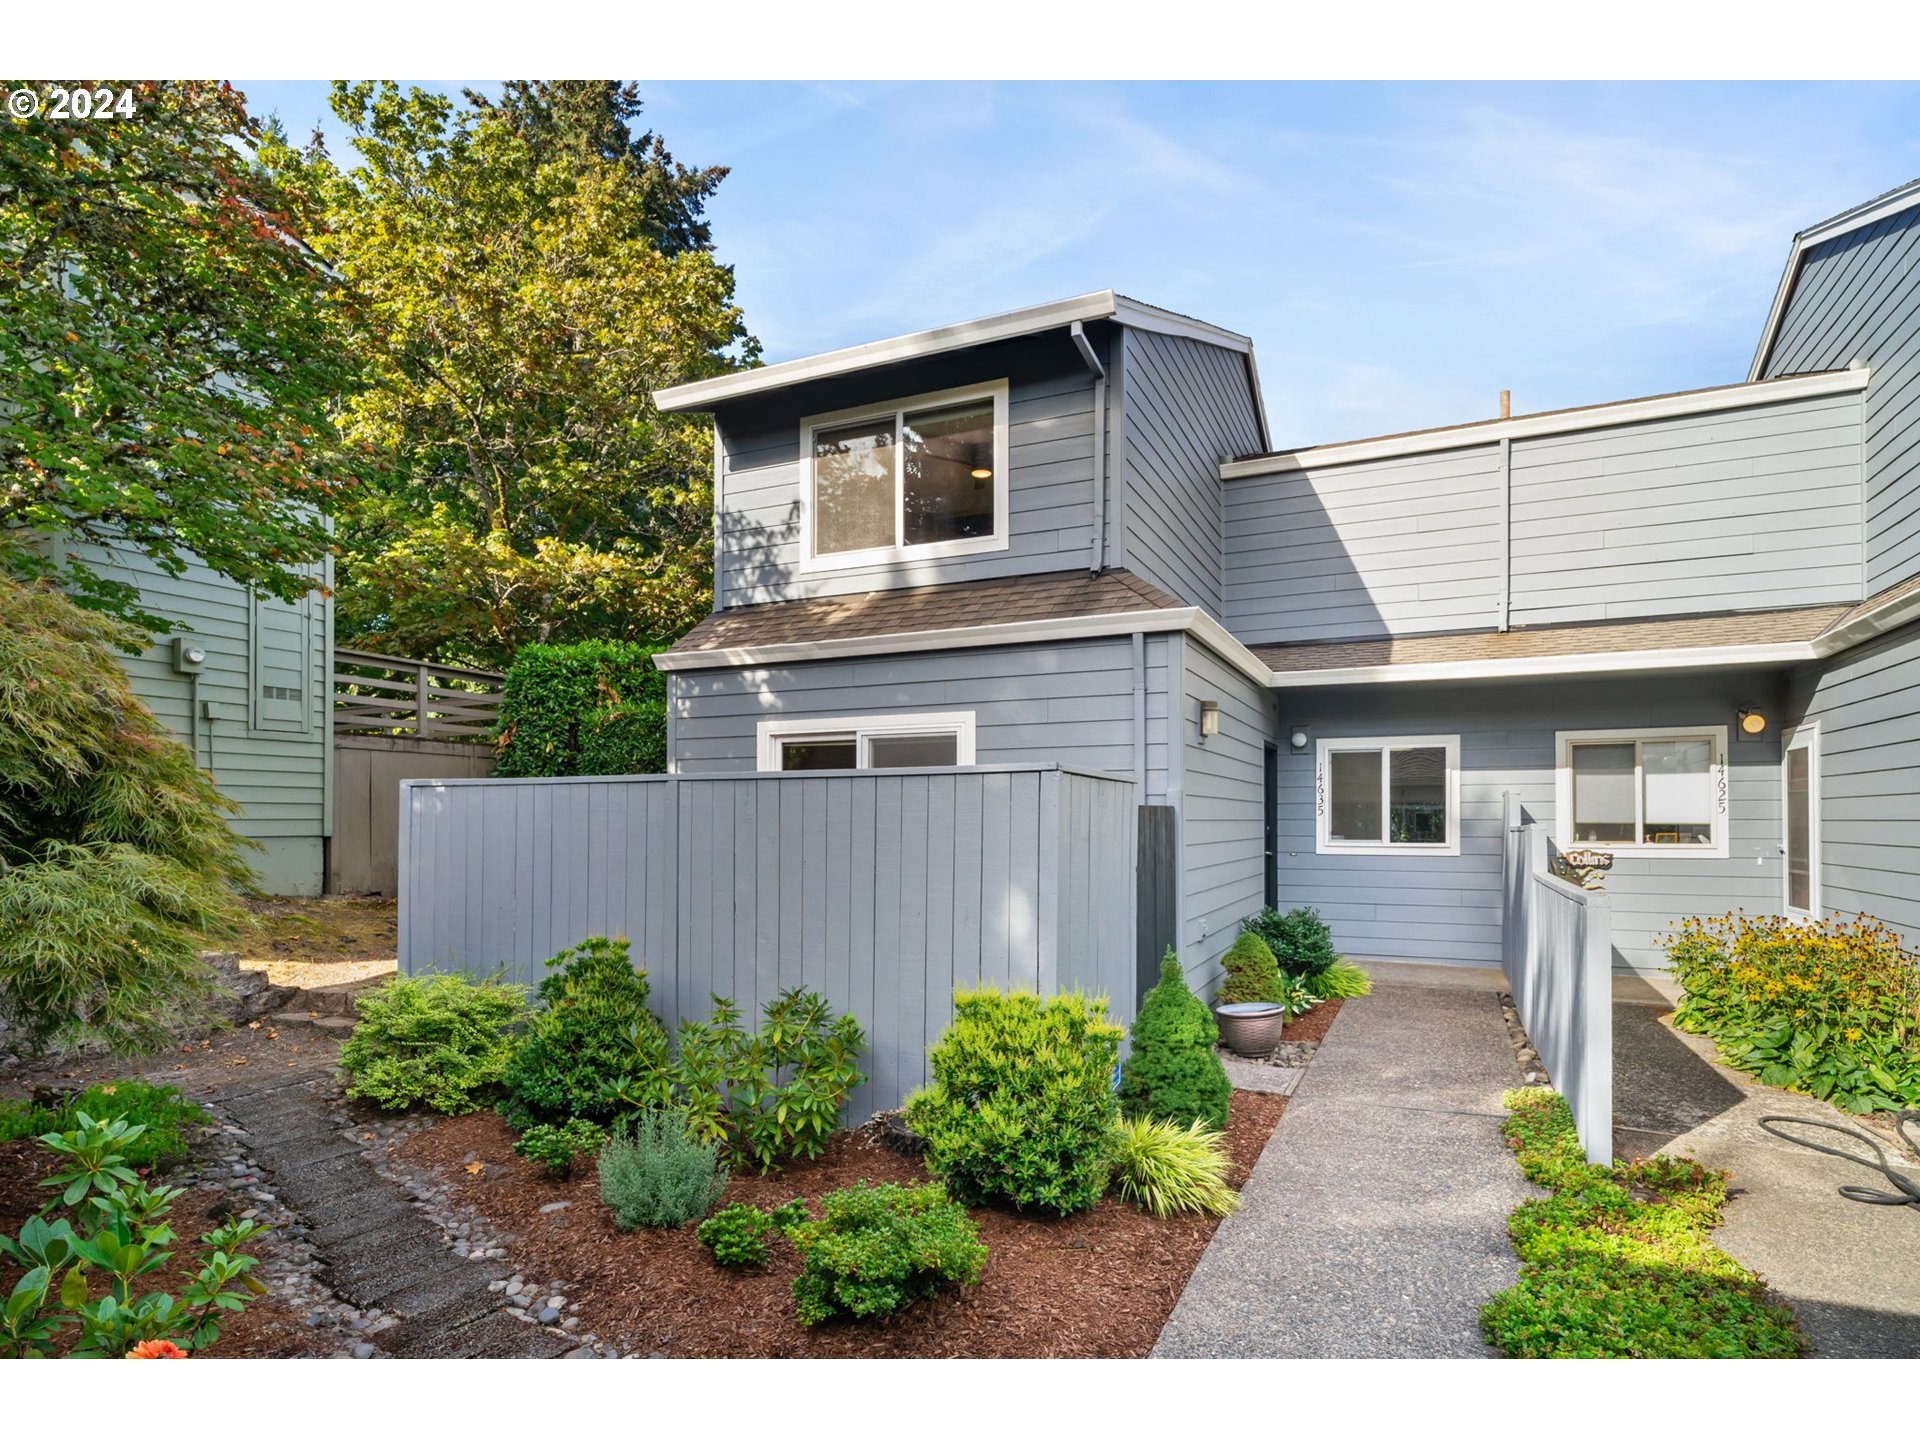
(1021,1110)
(558,1147)
(437,1040)
(738,1236)
(1619,1260)
(878,1248)
(167,1120)
(1172,1071)
(82,1269)
(658,1174)
(1829,1007)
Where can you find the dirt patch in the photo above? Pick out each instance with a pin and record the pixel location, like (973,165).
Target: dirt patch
(1099,1284)
(333,940)
(1311,1028)
(267,1327)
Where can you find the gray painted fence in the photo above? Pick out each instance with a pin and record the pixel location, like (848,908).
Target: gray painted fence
(1558,941)
(883,890)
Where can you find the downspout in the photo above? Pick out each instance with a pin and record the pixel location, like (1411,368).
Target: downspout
(1506,531)
(1140,718)
(1098,560)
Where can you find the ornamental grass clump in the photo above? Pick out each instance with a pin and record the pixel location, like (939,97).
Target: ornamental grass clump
(1173,1071)
(1171,1169)
(1828,1007)
(1021,1111)
(877,1249)
(1619,1261)
(442,1041)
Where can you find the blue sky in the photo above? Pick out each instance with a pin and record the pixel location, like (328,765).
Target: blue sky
(1398,252)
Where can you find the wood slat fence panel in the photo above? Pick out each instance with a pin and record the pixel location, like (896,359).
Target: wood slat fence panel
(883,890)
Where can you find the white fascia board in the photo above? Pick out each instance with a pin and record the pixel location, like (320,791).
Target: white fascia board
(1704,657)
(1847,221)
(974,637)
(1142,316)
(1560,422)
(1898,611)
(1057,314)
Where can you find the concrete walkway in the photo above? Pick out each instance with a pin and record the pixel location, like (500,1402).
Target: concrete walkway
(1375,1221)
(1851,1271)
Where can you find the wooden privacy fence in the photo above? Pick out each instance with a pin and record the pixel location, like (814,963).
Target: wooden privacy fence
(386,695)
(1557,940)
(882,890)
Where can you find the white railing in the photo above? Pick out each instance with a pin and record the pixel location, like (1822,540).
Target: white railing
(1557,940)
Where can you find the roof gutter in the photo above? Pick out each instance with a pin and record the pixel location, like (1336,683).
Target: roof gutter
(1890,614)
(1700,657)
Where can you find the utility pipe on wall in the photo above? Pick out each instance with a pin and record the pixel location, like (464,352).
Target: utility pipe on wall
(1098,560)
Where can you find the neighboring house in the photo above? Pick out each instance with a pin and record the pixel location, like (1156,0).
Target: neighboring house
(1681,628)
(244,682)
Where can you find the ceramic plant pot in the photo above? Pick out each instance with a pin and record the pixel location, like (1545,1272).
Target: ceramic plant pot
(1251,1029)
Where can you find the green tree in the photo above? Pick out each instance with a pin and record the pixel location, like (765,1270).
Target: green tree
(527,273)
(167,360)
(1172,1071)
(115,853)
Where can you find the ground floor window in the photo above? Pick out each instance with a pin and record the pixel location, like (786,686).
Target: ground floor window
(867,742)
(1395,794)
(1661,791)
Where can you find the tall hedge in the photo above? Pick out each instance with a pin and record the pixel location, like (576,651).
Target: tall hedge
(594,708)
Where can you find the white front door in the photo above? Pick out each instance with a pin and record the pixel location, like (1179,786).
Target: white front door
(1800,819)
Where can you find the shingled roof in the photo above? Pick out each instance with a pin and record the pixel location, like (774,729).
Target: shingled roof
(1753,627)
(1055,595)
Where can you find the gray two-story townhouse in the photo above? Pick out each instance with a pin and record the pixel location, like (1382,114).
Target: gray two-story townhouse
(1681,628)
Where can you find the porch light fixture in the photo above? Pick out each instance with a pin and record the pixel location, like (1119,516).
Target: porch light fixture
(1753,722)
(981,472)
(1209,719)
(1298,739)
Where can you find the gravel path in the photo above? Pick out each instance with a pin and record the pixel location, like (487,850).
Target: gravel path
(1375,1223)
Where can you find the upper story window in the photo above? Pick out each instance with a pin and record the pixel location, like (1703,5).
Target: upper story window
(1389,795)
(867,742)
(920,477)
(1659,791)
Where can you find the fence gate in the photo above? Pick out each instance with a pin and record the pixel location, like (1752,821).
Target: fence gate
(1155,885)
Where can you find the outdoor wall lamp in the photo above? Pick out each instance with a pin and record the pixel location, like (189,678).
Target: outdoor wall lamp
(1209,719)
(1753,722)
(1298,739)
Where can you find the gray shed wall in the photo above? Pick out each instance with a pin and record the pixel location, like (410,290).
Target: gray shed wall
(1867,703)
(883,891)
(1858,299)
(1447,908)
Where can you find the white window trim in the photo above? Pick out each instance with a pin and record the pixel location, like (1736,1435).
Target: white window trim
(1805,736)
(1718,780)
(1325,845)
(861,729)
(810,563)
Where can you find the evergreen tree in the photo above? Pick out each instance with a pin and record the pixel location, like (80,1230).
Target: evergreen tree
(1173,1072)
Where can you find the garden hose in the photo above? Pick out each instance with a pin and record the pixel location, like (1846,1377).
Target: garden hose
(1906,1190)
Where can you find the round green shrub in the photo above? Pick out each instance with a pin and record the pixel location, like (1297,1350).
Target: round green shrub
(435,1040)
(1253,977)
(1301,943)
(1021,1110)
(591,1037)
(877,1249)
(1173,1072)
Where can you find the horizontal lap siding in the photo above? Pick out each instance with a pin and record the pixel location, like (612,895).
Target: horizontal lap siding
(1867,703)
(1857,299)
(1447,908)
(1387,547)
(1741,510)
(1071,703)
(1050,475)
(1187,408)
(1222,825)
(883,892)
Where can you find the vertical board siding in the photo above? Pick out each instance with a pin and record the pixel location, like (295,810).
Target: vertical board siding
(1069,703)
(1187,407)
(1448,907)
(1049,482)
(882,890)
(1223,820)
(1857,298)
(1867,704)
(1379,548)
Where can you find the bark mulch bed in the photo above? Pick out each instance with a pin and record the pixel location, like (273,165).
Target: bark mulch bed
(1098,1284)
(268,1326)
(1311,1028)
